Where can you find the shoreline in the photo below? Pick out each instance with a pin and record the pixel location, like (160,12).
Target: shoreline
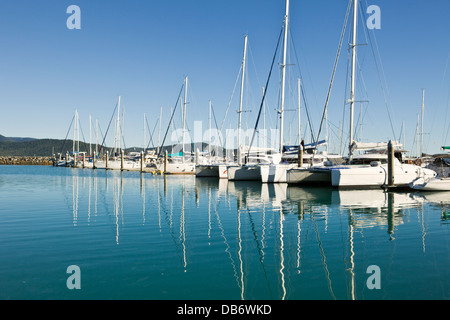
(26,160)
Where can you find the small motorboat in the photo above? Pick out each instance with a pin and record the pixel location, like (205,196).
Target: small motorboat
(432,184)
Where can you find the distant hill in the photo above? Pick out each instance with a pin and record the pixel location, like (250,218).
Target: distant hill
(35,147)
(14,139)
(47,147)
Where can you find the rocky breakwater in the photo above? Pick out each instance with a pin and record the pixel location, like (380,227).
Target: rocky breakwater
(30,161)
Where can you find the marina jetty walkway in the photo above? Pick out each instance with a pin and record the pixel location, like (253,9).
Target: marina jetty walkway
(25,160)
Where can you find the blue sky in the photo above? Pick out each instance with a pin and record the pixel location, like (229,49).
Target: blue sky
(142,50)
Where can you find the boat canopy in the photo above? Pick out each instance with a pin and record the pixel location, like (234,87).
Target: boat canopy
(374,145)
(294,148)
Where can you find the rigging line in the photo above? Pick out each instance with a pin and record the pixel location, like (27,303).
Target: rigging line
(444,136)
(265,90)
(332,77)
(253,63)
(107,129)
(82,134)
(65,139)
(378,72)
(171,118)
(217,128)
(231,98)
(302,88)
(151,133)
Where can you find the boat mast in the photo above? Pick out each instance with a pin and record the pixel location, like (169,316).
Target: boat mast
(159,134)
(90,141)
(353,81)
(184,112)
(299,117)
(421,124)
(283,70)
(209,141)
(117,129)
(241,99)
(144,142)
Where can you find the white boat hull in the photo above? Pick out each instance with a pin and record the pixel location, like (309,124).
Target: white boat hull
(177,168)
(211,170)
(311,176)
(434,184)
(244,173)
(276,173)
(376,176)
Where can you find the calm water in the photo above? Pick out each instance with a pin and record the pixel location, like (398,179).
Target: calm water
(150,237)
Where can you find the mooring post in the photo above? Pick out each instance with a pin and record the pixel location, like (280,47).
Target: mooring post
(300,156)
(121,160)
(142,161)
(84,159)
(165,161)
(107,158)
(391,157)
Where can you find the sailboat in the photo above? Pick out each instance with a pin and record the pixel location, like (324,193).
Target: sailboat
(355,175)
(277,170)
(439,183)
(376,174)
(212,166)
(179,164)
(247,167)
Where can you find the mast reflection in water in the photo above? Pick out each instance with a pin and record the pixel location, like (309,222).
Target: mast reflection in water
(138,236)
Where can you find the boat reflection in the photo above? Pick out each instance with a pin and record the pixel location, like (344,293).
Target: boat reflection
(273,239)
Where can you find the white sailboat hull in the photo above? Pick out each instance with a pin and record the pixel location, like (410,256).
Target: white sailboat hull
(311,176)
(433,184)
(177,168)
(276,173)
(211,170)
(244,173)
(374,176)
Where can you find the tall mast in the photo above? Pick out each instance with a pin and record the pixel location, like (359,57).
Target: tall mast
(241,97)
(421,124)
(209,141)
(264,121)
(143,145)
(184,111)
(159,133)
(299,116)
(283,70)
(117,131)
(352,90)
(90,141)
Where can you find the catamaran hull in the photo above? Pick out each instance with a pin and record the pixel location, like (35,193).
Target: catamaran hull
(211,170)
(244,173)
(275,173)
(376,176)
(177,168)
(434,184)
(309,176)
